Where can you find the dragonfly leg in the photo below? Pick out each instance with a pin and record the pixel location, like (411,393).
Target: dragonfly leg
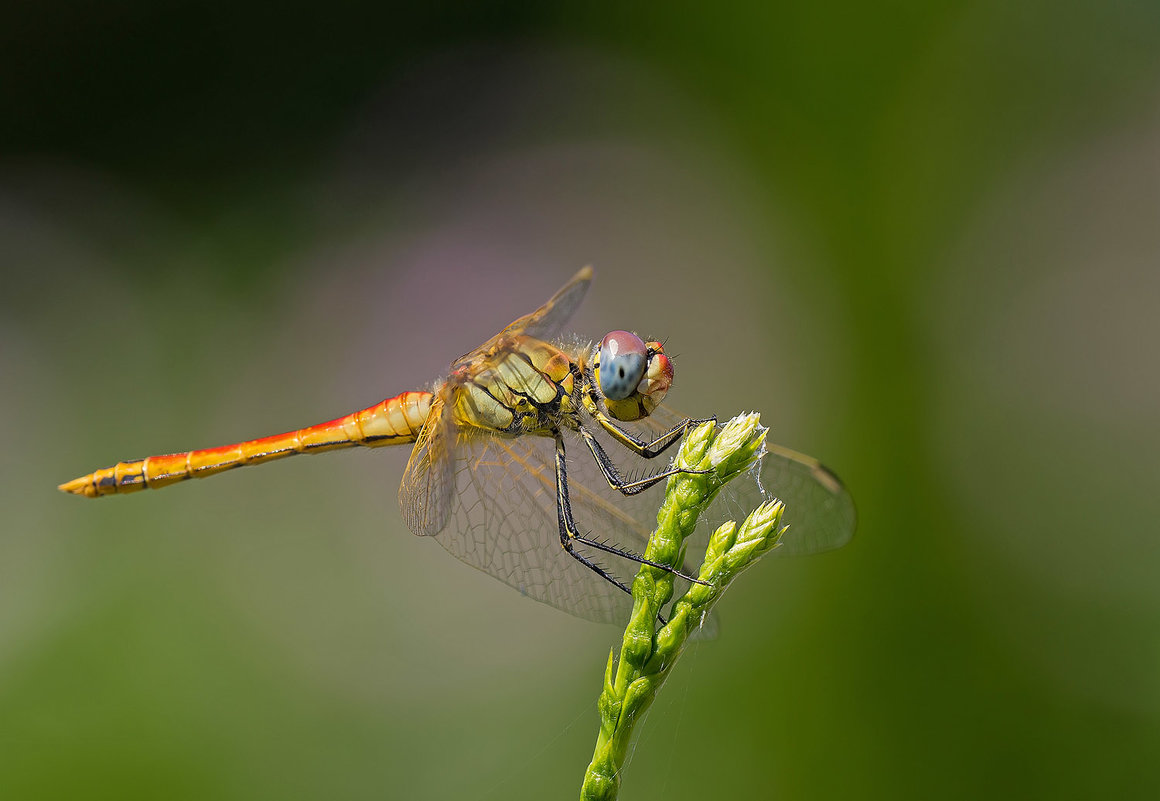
(612,474)
(649,450)
(570,535)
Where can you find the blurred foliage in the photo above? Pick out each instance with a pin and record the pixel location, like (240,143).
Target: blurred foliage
(955,202)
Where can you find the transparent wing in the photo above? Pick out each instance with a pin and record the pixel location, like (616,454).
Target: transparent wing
(502,520)
(547,321)
(426,492)
(491,502)
(818,509)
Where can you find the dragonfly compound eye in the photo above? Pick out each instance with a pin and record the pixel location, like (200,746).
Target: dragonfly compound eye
(623,358)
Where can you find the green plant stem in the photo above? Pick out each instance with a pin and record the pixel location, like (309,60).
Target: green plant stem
(647,654)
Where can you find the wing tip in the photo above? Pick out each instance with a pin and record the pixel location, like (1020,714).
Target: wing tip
(828,479)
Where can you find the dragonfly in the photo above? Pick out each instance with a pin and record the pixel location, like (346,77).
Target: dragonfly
(489,476)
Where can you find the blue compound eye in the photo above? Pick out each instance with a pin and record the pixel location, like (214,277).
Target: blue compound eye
(623,359)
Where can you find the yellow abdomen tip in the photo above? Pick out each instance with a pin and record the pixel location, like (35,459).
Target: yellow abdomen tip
(79,486)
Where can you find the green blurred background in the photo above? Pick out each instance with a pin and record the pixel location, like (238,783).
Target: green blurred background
(921,238)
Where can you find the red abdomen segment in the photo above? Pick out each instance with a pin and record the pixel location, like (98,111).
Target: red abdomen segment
(395,421)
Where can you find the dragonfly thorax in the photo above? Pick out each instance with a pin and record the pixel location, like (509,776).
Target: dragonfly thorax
(523,386)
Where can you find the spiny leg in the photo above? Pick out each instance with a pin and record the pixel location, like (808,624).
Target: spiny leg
(612,474)
(570,535)
(649,450)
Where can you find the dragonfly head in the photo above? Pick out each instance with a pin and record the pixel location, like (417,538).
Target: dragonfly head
(632,375)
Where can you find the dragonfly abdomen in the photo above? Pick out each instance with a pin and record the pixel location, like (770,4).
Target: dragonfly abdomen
(394,421)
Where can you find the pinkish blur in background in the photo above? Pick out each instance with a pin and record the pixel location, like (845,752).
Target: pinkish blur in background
(921,241)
